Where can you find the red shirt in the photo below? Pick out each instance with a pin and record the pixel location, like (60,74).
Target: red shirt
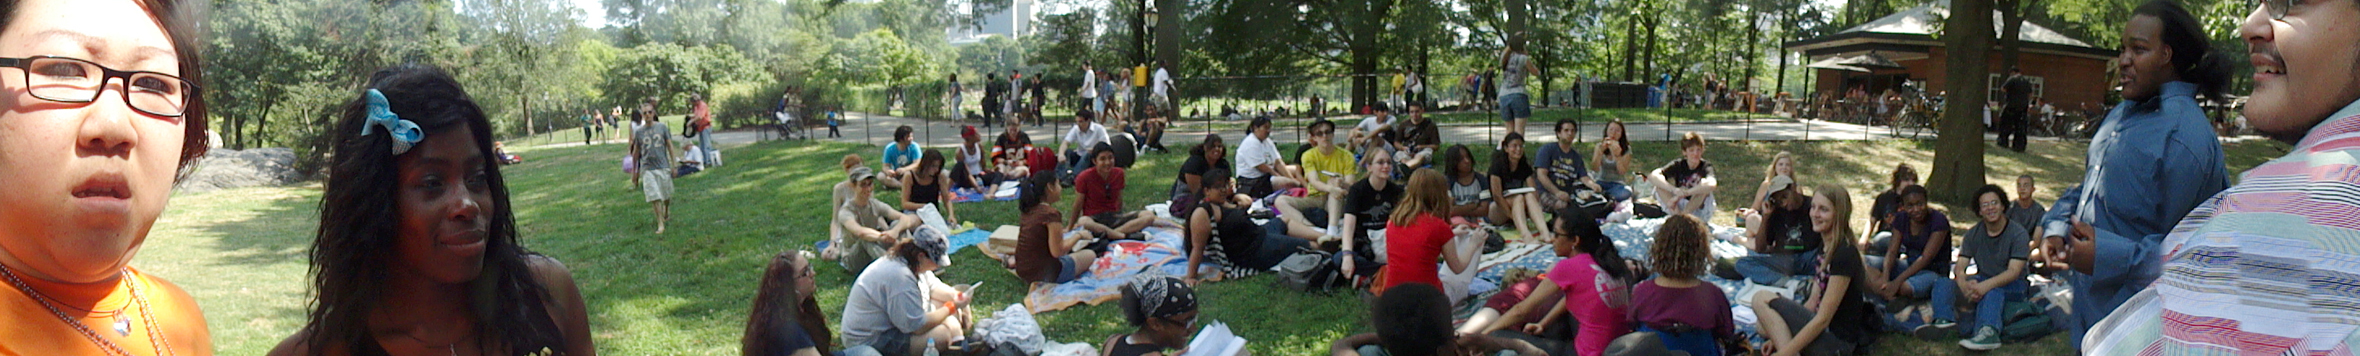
(1411,252)
(1100,194)
(1040,160)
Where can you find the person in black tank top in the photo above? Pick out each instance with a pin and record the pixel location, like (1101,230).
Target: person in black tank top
(928,185)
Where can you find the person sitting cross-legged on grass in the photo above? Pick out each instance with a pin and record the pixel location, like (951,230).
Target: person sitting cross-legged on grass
(1781,238)
(868,225)
(898,306)
(786,318)
(901,156)
(1999,250)
(1592,281)
(1209,154)
(1835,320)
(1100,208)
(1043,253)
(927,184)
(1414,320)
(1686,185)
(1917,257)
(417,245)
(1163,308)
(1688,314)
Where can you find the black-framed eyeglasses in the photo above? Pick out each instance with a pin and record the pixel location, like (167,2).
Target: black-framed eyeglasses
(2276,8)
(74,80)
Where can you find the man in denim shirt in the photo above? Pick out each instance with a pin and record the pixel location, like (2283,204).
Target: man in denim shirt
(2154,159)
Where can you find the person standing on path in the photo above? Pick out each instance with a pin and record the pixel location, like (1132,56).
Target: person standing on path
(2154,160)
(1515,105)
(702,123)
(951,108)
(1089,90)
(2013,121)
(589,126)
(1015,96)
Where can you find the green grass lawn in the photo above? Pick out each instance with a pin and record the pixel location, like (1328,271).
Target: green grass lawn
(243,252)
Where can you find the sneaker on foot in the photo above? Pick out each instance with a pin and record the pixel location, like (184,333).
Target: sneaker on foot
(1935,330)
(1986,339)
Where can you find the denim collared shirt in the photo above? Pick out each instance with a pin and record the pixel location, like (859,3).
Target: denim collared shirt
(2151,163)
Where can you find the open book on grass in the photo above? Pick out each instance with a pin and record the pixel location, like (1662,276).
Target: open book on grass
(1216,340)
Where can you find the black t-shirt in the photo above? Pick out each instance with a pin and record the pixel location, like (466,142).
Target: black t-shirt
(1198,166)
(1884,206)
(1512,176)
(1852,312)
(1371,205)
(1006,141)
(1790,230)
(1682,175)
(1420,134)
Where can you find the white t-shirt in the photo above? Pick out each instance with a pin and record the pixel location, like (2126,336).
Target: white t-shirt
(1087,138)
(695,155)
(1371,125)
(1089,84)
(1253,152)
(1163,82)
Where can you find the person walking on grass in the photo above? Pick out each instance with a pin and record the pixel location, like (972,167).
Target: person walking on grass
(652,144)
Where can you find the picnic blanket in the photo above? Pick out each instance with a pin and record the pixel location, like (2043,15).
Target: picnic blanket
(1160,254)
(1006,191)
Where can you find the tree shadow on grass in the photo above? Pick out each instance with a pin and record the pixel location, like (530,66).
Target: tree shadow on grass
(281,230)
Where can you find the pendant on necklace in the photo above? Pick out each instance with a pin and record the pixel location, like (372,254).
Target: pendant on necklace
(122,326)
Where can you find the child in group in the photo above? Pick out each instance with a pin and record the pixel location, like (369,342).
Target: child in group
(1592,280)
(416,219)
(1163,309)
(89,170)
(1688,314)
(1686,185)
(1994,242)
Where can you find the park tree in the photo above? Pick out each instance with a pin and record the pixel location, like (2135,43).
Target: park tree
(1958,152)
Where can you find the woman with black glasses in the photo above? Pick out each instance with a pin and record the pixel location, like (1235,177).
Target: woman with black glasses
(99,116)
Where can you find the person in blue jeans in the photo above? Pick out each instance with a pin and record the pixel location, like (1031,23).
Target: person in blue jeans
(1783,243)
(2000,252)
(1918,254)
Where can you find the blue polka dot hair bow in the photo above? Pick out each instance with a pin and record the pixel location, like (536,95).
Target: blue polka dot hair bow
(405,133)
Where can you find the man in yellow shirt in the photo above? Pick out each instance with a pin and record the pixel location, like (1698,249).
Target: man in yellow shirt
(1327,170)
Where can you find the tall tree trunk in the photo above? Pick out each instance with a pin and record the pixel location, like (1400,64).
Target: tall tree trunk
(1958,153)
(2011,43)
(1631,49)
(1649,61)
(1753,38)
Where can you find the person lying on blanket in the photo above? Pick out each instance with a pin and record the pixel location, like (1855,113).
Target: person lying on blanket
(1043,254)
(1413,319)
(1163,309)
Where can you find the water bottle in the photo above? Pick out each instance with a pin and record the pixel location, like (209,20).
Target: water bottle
(931,350)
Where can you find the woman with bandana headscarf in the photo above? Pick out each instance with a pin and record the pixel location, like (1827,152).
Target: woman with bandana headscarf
(1164,310)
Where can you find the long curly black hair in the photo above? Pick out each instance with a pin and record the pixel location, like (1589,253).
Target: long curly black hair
(354,250)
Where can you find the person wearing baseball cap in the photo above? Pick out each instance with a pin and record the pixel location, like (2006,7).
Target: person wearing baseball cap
(898,307)
(866,224)
(1784,245)
(968,171)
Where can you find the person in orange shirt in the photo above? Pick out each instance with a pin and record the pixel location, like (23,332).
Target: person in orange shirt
(102,116)
(417,248)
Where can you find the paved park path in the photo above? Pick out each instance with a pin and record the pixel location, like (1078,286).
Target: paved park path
(878,130)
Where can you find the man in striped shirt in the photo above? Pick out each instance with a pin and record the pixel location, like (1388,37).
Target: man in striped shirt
(2272,265)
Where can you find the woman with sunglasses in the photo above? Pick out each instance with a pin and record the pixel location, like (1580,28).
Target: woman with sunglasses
(102,116)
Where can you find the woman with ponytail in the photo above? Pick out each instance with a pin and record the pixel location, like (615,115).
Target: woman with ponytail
(1593,281)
